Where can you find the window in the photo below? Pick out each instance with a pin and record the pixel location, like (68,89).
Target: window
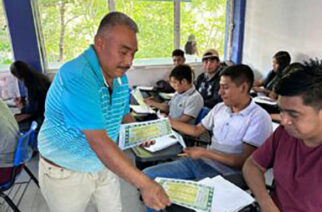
(205,19)
(69,26)
(6,56)
(155,21)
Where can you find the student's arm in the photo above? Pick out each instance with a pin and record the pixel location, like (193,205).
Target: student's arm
(113,158)
(276,117)
(187,128)
(22,117)
(258,83)
(233,160)
(254,176)
(162,106)
(184,118)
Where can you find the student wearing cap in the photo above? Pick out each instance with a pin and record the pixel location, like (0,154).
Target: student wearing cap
(207,83)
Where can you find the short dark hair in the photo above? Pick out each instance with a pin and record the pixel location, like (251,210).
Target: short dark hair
(181,72)
(305,81)
(239,74)
(114,19)
(178,52)
(283,59)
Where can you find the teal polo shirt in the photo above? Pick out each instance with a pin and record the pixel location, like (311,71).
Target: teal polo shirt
(79,99)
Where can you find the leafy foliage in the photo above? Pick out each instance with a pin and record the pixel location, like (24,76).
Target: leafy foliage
(69,26)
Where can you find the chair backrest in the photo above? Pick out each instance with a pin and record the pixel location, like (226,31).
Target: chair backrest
(24,151)
(203,112)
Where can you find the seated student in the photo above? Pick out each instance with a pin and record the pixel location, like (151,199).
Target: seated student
(238,125)
(207,83)
(37,85)
(294,150)
(9,132)
(186,104)
(280,61)
(178,57)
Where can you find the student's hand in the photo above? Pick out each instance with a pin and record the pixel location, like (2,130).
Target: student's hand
(19,103)
(154,196)
(258,89)
(149,101)
(147,143)
(195,152)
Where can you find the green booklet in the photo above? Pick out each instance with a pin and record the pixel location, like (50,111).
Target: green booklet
(134,134)
(189,194)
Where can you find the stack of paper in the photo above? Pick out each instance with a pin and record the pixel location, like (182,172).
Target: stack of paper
(265,100)
(227,196)
(145,88)
(166,96)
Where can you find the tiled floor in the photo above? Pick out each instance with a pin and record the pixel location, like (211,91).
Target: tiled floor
(33,201)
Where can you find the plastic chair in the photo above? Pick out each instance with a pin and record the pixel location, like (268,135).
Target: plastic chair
(203,112)
(22,155)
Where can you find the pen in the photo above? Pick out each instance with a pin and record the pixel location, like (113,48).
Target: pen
(182,155)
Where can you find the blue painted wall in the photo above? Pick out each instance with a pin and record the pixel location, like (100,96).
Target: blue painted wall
(22,31)
(239,26)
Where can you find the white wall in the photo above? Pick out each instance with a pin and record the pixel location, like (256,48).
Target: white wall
(273,25)
(149,75)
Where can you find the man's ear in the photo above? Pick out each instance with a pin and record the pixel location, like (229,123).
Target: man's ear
(99,42)
(244,87)
(320,114)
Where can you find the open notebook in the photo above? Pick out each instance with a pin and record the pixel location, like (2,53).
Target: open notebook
(142,107)
(166,141)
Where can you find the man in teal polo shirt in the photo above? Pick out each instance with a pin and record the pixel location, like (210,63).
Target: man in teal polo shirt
(85,105)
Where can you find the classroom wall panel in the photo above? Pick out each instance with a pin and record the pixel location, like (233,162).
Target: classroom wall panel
(270,26)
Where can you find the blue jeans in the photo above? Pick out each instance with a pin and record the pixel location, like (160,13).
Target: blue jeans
(185,168)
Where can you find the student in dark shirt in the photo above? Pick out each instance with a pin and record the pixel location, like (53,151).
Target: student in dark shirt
(207,83)
(37,85)
(280,61)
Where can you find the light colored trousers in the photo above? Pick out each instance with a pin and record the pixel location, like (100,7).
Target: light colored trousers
(69,191)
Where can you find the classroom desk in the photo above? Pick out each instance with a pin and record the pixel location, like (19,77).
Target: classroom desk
(143,156)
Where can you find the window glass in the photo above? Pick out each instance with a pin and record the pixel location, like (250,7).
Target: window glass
(6,56)
(155,21)
(69,26)
(205,20)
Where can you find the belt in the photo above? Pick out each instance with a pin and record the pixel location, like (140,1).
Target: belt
(50,162)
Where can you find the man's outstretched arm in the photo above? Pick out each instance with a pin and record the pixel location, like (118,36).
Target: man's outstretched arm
(113,158)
